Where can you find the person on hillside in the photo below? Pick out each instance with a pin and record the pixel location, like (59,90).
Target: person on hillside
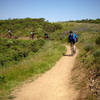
(9,33)
(72,39)
(32,34)
(46,36)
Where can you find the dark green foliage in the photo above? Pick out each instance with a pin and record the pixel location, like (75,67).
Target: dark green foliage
(51,27)
(12,51)
(22,27)
(2,79)
(98,40)
(96,53)
(97,21)
(35,46)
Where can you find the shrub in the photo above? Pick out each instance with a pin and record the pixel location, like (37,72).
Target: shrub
(12,51)
(35,46)
(98,40)
(96,53)
(88,47)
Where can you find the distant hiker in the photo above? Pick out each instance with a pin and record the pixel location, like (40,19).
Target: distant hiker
(72,39)
(32,34)
(9,33)
(46,36)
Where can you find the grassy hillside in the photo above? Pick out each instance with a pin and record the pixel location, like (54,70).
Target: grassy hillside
(89,61)
(87,72)
(31,66)
(21,59)
(23,27)
(12,51)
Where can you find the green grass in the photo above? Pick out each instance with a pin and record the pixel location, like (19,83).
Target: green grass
(88,45)
(33,65)
(12,51)
(89,55)
(23,27)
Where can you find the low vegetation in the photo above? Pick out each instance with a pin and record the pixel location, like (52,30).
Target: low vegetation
(34,64)
(23,27)
(89,61)
(12,51)
(97,21)
(21,59)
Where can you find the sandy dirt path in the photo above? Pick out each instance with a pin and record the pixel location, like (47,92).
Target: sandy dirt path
(52,85)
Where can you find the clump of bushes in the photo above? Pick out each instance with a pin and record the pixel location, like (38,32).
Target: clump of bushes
(96,55)
(98,40)
(12,51)
(22,27)
(35,46)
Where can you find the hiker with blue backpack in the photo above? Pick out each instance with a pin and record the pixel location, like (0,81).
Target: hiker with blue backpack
(72,39)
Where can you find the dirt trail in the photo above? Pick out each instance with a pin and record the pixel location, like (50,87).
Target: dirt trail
(52,85)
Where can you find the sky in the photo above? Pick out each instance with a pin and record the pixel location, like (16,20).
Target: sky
(51,10)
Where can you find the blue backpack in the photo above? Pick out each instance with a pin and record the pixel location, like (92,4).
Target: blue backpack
(72,37)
